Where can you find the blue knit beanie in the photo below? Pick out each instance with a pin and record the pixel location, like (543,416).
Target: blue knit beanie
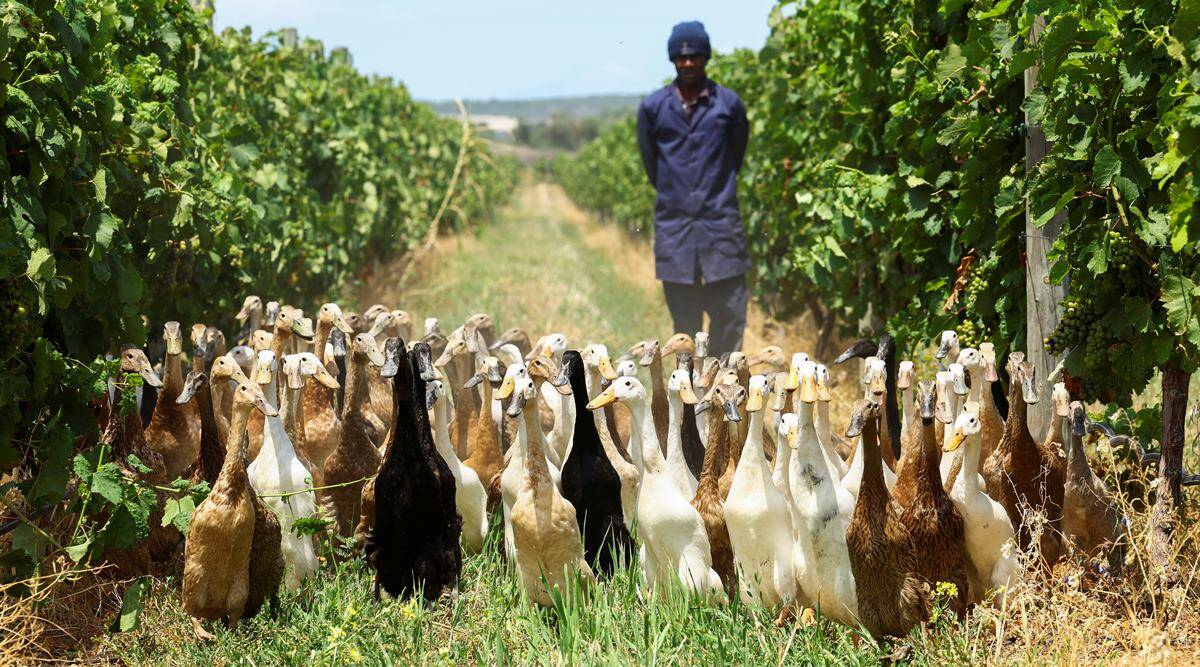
(688,39)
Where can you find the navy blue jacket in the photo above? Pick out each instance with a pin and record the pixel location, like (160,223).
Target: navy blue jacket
(692,162)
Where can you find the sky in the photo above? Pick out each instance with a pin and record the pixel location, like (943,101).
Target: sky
(481,49)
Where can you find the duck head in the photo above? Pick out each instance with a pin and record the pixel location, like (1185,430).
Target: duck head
(625,390)
(966,425)
(489,369)
(822,374)
(793,380)
(771,356)
(1061,399)
(523,394)
(789,429)
(516,337)
(562,381)
(958,375)
(508,384)
(365,345)
(394,354)
(249,393)
(271,312)
(374,311)
(701,343)
(779,391)
(173,337)
(626,368)
(875,377)
(251,306)
(926,400)
(680,342)
(434,392)
(196,335)
(1022,371)
(358,323)
(310,366)
(756,393)
(864,411)
(330,315)
(432,326)
(337,344)
(906,373)
(987,361)
(226,367)
(551,345)
(680,383)
(595,356)
(971,359)
(261,340)
(266,367)
(948,345)
(421,358)
(194,382)
(544,368)
(729,396)
(859,349)
(133,360)
(1079,420)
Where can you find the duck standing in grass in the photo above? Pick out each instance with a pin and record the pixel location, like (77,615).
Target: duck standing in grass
(414,544)
(216,558)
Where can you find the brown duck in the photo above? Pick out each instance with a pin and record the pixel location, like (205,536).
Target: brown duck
(927,511)
(1020,474)
(322,424)
(355,457)
(221,534)
(892,597)
(483,438)
(174,429)
(721,404)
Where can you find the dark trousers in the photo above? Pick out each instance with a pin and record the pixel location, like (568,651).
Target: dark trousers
(725,303)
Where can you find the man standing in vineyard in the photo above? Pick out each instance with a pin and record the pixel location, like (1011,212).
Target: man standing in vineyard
(692,134)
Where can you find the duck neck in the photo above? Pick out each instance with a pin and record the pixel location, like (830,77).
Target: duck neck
(293,409)
(954,407)
(909,417)
(1016,427)
(356,384)
(674,427)
(586,436)
(808,430)
(321,338)
(644,436)
(485,413)
(279,343)
(975,391)
(441,432)
(232,477)
(172,379)
(537,471)
(716,454)
(968,477)
(872,475)
(1076,456)
(752,452)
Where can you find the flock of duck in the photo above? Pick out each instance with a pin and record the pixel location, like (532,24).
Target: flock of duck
(723,476)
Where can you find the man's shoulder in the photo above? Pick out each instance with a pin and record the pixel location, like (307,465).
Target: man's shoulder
(656,97)
(723,92)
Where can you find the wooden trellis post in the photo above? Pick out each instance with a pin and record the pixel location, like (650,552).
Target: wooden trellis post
(1042,298)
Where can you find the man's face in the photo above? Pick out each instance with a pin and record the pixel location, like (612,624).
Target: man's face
(690,69)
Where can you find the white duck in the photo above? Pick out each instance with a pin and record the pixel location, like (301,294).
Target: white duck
(470,497)
(823,510)
(948,346)
(277,470)
(679,392)
(824,426)
(674,540)
(874,377)
(952,395)
(988,532)
(514,462)
(757,517)
(906,376)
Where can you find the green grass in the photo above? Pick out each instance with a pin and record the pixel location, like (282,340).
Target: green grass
(334,620)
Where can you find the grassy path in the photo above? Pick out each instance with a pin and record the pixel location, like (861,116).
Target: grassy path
(542,267)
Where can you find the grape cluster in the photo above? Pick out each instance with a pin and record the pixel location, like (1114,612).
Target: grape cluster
(18,315)
(1095,353)
(975,287)
(1125,263)
(968,333)
(1073,328)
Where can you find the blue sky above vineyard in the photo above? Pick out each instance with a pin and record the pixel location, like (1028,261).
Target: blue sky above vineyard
(508,49)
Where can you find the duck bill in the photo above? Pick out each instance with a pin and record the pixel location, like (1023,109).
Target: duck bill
(263,374)
(688,394)
(606,397)
(190,387)
(149,376)
(823,391)
(808,389)
(989,372)
(955,442)
(703,406)
(562,380)
(431,396)
(506,388)
(960,384)
(1078,421)
(340,323)
(943,350)
(878,384)
(272,313)
(474,381)
(1028,391)
(260,403)
(390,366)
(606,369)
(294,379)
(517,404)
(175,343)
(793,437)
(375,357)
(244,313)
(731,412)
(337,343)
(756,401)
(857,420)
(779,398)
(793,379)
